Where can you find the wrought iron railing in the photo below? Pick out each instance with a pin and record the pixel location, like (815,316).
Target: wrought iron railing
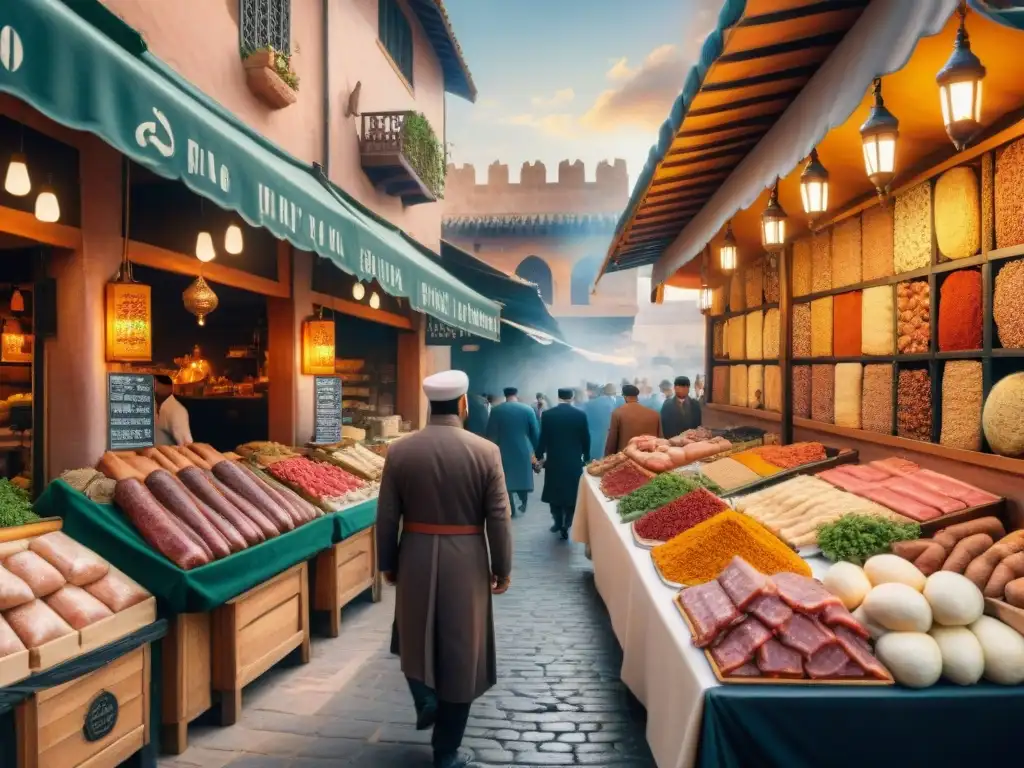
(409,135)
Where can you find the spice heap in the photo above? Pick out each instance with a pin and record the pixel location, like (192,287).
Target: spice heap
(754,461)
(729,474)
(913,308)
(914,404)
(958,213)
(699,554)
(659,492)
(822,393)
(912,229)
(960,311)
(848,395)
(846,324)
(1008,305)
(772,388)
(793,455)
(876,321)
(961,405)
(771,334)
(622,480)
(876,399)
(846,265)
(821,327)
(802,391)
(877,242)
(821,262)
(802,266)
(801,330)
(1010,195)
(678,516)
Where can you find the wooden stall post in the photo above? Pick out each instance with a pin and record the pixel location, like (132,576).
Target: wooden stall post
(187,678)
(786,343)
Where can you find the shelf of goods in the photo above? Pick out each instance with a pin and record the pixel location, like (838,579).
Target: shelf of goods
(227,545)
(75,635)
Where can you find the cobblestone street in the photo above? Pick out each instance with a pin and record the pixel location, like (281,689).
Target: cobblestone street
(558,700)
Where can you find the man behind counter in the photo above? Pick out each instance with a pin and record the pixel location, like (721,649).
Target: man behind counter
(172,427)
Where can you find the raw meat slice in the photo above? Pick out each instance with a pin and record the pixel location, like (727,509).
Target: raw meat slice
(859,651)
(949,486)
(802,593)
(739,646)
(851,670)
(827,662)
(770,611)
(743,583)
(804,634)
(776,660)
(837,616)
(749,670)
(895,466)
(901,503)
(709,610)
(864,472)
(909,487)
(843,480)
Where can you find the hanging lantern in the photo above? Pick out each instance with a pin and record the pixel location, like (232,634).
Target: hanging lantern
(47,206)
(728,252)
(17,301)
(374,300)
(960,88)
(17,182)
(814,186)
(318,346)
(773,223)
(358,291)
(129,321)
(12,343)
(233,241)
(200,299)
(704,298)
(205,251)
(878,136)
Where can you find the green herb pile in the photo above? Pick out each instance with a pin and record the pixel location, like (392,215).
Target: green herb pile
(15,505)
(855,538)
(660,491)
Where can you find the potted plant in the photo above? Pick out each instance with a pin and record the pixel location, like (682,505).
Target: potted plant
(424,152)
(270,76)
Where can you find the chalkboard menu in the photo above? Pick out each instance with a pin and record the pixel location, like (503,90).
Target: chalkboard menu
(131,411)
(327,409)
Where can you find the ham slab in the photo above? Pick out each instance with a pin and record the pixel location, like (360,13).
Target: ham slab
(901,503)
(837,616)
(802,593)
(750,670)
(776,660)
(740,644)
(910,487)
(710,611)
(864,472)
(859,651)
(958,489)
(806,635)
(895,466)
(743,583)
(829,661)
(843,481)
(771,611)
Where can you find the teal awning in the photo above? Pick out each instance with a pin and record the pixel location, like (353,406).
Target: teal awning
(82,67)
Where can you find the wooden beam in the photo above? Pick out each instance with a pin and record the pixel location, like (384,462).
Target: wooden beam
(825,40)
(26,225)
(730,106)
(739,149)
(181,264)
(792,73)
(802,11)
(362,311)
(712,173)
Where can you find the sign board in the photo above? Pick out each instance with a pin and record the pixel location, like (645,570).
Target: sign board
(131,411)
(440,334)
(100,717)
(326,409)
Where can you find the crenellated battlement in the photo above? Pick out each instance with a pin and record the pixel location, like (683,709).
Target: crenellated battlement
(534,194)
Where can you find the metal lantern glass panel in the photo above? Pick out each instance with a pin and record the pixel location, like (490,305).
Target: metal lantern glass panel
(200,299)
(318,347)
(814,186)
(773,223)
(727,254)
(129,322)
(960,89)
(705,298)
(878,136)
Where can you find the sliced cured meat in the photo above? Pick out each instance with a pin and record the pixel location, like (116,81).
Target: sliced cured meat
(776,660)
(844,481)
(802,593)
(740,644)
(747,670)
(835,616)
(709,610)
(859,651)
(900,502)
(864,472)
(804,634)
(830,661)
(851,670)
(743,583)
(895,466)
(958,489)
(910,487)
(770,611)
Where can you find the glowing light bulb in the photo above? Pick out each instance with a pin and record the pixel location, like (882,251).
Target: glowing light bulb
(374,301)
(17,182)
(358,291)
(47,207)
(204,247)
(233,242)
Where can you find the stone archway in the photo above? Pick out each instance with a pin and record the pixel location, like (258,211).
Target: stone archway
(535,270)
(584,272)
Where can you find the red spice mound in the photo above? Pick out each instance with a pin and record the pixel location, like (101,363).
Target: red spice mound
(846,310)
(789,456)
(960,311)
(680,515)
(622,480)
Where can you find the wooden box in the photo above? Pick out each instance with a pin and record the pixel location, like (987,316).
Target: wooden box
(343,572)
(187,678)
(54,652)
(117,626)
(14,667)
(256,630)
(55,725)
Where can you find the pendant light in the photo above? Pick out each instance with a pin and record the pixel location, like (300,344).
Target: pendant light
(129,304)
(200,299)
(878,136)
(233,241)
(773,223)
(17,301)
(358,291)
(374,301)
(704,297)
(47,205)
(318,349)
(960,88)
(727,253)
(814,186)
(17,182)
(205,251)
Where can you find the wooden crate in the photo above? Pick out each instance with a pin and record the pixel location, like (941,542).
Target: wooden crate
(51,724)
(187,678)
(256,630)
(117,626)
(343,572)
(14,667)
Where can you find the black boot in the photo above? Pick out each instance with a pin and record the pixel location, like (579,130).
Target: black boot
(458,759)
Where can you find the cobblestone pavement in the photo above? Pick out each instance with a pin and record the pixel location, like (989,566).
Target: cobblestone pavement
(558,701)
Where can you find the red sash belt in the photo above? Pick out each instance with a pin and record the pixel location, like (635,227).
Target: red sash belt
(433,529)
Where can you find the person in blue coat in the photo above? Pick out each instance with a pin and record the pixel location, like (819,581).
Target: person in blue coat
(513,427)
(478,414)
(565,442)
(599,418)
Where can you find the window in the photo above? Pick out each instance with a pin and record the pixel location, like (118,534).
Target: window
(395,34)
(265,23)
(535,270)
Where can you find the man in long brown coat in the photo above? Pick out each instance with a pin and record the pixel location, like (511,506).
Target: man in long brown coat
(442,490)
(631,420)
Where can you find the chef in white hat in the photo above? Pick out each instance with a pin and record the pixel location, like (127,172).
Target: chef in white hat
(443,488)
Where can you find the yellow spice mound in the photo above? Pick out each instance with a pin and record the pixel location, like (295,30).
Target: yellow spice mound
(699,554)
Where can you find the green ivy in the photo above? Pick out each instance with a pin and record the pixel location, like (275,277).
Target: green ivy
(282,64)
(424,152)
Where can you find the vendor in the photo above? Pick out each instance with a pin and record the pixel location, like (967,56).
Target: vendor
(172,427)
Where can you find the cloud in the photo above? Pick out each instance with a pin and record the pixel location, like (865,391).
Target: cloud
(620,70)
(643,95)
(560,98)
(559,124)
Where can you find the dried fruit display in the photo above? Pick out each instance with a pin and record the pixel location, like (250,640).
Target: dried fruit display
(912,229)
(876,399)
(914,404)
(772,388)
(737,342)
(821,327)
(755,386)
(846,256)
(738,385)
(877,321)
(848,394)
(755,335)
(961,405)
(846,311)
(754,284)
(802,391)
(1008,305)
(913,320)
(823,400)
(958,213)
(1010,195)
(960,319)
(770,334)
(736,286)
(802,266)
(876,242)
(720,385)
(821,262)
(801,330)
(1002,421)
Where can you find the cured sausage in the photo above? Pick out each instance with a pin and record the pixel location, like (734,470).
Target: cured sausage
(258,519)
(9,641)
(42,578)
(173,456)
(154,455)
(209,454)
(77,564)
(193,457)
(158,526)
(242,483)
(77,607)
(966,550)
(236,542)
(117,591)
(36,623)
(196,481)
(116,468)
(289,505)
(13,591)
(179,502)
(141,464)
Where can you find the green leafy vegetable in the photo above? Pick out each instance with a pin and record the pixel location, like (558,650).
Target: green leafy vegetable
(660,491)
(855,538)
(15,505)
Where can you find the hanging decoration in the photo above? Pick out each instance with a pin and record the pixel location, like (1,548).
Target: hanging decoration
(814,186)
(358,291)
(129,310)
(960,88)
(17,181)
(200,299)
(47,205)
(205,251)
(878,137)
(727,255)
(17,301)
(773,223)
(318,351)
(704,298)
(374,300)
(233,240)
(13,346)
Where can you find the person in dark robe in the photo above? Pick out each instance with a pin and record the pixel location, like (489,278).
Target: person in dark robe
(442,490)
(478,415)
(681,412)
(564,449)
(514,428)
(631,420)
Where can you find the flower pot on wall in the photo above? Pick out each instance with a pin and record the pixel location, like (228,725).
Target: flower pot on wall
(265,83)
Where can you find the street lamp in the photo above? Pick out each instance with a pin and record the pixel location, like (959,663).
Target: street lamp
(878,136)
(773,223)
(960,88)
(727,253)
(814,186)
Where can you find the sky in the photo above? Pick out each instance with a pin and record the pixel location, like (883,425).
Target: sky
(570,79)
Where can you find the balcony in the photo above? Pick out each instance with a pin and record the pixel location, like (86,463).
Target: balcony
(402,156)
